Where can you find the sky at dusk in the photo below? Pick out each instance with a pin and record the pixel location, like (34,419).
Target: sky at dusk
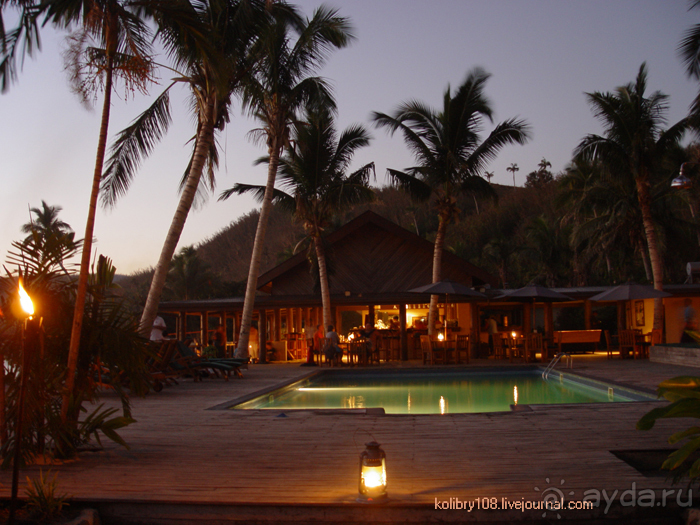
(543,55)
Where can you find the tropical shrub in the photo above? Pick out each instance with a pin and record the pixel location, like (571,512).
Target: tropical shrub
(111,353)
(684,395)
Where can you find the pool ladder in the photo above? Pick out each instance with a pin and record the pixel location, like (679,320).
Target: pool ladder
(554,362)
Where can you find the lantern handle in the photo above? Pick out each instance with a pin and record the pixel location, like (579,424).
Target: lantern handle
(363,430)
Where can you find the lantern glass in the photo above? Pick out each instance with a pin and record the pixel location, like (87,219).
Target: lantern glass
(372,483)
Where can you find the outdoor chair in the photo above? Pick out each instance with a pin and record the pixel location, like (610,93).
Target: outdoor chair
(609,344)
(533,344)
(462,347)
(499,347)
(627,343)
(160,368)
(338,359)
(189,363)
(431,354)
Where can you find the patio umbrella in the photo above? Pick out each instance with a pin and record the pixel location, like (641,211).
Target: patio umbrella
(534,293)
(630,292)
(448,287)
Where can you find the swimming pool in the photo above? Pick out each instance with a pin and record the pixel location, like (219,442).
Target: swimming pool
(440,391)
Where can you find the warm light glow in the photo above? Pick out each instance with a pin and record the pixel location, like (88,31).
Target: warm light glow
(441,337)
(351,336)
(25,301)
(374,477)
(514,334)
(443,405)
(515,394)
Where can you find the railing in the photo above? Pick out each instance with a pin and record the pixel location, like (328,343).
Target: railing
(554,362)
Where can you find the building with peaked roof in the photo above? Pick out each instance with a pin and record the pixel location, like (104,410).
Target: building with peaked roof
(372,264)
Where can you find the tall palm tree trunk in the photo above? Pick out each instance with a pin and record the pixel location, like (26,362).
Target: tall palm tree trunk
(323,278)
(204,141)
(644,252)
(653,245)
(79,311)
(437,272)
(258,244)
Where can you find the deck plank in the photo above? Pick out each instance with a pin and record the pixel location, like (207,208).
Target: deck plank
(182,452)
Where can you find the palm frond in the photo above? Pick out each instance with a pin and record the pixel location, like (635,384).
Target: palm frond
(132,145)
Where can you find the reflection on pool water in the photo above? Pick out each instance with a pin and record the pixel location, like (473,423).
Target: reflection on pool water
(439,392)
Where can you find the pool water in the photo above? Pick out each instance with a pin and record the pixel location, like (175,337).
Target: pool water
(439,392)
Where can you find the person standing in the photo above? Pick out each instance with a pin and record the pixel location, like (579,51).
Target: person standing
(492,330)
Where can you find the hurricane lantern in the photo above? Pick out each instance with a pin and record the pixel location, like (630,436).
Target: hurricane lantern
(372,483)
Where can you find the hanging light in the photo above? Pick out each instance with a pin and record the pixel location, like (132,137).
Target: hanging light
(681,182)
(372,482)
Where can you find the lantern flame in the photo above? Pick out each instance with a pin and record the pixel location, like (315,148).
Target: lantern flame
(515,394)
(374,476)
(441,337)
(25,301)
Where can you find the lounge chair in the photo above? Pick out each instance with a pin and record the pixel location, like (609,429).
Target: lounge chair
(189,362)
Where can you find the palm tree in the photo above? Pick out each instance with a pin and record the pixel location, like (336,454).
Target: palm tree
(689,50)
(122,48)
(46,222)
(212,58)
(314,173)
(635,145)
(450,154)
(513,168)
(189,276)
(279,88)
(49,235)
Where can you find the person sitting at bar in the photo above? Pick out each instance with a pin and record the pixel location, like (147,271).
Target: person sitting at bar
(370,335)
(333,350)
(394,323)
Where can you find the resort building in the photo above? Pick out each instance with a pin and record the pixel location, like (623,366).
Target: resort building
(373,264)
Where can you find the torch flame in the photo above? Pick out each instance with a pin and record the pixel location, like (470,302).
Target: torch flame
(25,301)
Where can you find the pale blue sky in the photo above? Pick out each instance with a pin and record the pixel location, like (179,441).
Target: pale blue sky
(542,54)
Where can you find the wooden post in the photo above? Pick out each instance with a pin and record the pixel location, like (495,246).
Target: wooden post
(587,314)
(262,336)
(527,318)
(403,339)
(475,332)
(278,325)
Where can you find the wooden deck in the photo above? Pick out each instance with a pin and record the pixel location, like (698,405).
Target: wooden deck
(182,452)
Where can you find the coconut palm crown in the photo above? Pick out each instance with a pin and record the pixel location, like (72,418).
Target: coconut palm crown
(449,151)
(635,145)
(209,44)
(314,173)
(281,85)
